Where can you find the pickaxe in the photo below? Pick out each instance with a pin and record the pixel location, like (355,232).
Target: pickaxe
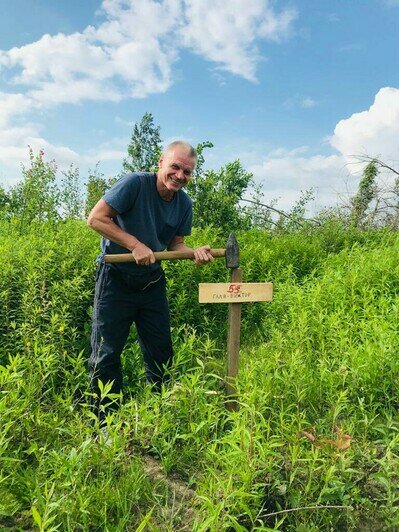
(230,252)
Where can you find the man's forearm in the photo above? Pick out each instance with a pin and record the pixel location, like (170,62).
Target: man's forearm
(180,246)
(108,229)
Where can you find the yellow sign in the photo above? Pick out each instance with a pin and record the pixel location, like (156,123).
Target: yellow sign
(235,292)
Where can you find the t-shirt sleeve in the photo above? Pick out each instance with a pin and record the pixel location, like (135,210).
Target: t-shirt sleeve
(122,195)
(184,228)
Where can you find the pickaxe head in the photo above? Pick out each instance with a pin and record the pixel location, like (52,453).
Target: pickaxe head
(232,252)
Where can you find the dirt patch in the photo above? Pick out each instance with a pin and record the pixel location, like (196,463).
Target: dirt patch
(179,509)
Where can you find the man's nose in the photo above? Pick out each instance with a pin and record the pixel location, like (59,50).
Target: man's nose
(180,174)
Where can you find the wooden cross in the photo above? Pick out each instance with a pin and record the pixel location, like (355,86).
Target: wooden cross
(234,293)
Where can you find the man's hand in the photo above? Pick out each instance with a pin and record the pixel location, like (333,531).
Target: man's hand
(143,255)
(202,255)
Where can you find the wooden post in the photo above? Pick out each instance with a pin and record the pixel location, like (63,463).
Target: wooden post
(234,293)
(233,344)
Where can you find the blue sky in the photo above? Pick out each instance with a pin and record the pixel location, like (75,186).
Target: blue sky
(294,89)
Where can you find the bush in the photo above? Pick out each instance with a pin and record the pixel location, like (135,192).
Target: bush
(317,424)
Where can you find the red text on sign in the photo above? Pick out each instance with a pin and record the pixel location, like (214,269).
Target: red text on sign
(234,288)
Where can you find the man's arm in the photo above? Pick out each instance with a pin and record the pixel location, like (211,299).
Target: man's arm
(101,220)
(201,255)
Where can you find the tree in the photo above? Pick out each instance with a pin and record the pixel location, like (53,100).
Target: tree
(217,195)
(4,201)
(385,211)
(365,194)
(71,194)
(96,186)
(36,197)
(200,157)
(145,147)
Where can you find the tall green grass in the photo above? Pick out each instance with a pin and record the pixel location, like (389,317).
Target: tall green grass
(318,363)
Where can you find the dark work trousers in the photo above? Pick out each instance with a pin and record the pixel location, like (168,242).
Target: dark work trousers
(121,299)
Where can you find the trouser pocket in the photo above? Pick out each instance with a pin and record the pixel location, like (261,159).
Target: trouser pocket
(138,283)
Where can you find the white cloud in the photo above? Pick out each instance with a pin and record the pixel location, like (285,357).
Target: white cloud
(58,58)
(15,153)
(226,32)
(12,105)
(307,103)
(123,122)
(284,176)
(81,66)
(14,142)
(104,155)
(333,17)
(279,153)
(130,54)
(374,132)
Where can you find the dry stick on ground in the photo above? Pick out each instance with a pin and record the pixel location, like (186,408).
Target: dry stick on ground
(288,510)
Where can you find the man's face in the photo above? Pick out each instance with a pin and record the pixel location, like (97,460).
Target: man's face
(175,168)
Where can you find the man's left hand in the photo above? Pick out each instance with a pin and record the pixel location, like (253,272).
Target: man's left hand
(202,255)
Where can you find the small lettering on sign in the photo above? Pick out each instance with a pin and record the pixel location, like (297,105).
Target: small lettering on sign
(230,295)
(234,292)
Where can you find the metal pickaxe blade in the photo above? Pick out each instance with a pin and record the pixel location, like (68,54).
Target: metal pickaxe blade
(232,252)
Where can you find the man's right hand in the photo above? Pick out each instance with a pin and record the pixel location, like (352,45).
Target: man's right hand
(143,255)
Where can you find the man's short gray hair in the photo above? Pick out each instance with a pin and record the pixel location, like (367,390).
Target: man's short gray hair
(183,144)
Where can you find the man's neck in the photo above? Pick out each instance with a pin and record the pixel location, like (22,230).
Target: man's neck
(164,192)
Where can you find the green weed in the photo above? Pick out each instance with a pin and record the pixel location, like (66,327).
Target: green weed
(314,444)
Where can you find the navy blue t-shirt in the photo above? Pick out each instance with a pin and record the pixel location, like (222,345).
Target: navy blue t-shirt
(143,213)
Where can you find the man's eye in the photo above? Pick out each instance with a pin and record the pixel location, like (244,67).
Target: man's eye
(175,167)
(187,173)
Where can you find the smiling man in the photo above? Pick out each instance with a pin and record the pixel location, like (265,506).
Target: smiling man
(141,213)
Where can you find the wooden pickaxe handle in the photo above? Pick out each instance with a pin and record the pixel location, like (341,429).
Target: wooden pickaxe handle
(162,255)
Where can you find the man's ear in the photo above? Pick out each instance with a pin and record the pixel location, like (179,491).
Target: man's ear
(160,161)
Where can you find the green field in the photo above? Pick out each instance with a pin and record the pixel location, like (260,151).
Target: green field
(313,446)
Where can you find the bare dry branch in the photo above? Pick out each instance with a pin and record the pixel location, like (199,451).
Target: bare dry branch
(282,213)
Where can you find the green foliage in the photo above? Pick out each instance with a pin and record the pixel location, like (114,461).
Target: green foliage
(40,196)
(365,194)
(144,148)
(96,186)
(71,194)
(296,217)
(200,156)
(216,196)
(314,445)
(259,214)
(321,360)
(4,202)
(36,197)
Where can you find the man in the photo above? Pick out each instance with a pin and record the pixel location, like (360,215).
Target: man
(141,213)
